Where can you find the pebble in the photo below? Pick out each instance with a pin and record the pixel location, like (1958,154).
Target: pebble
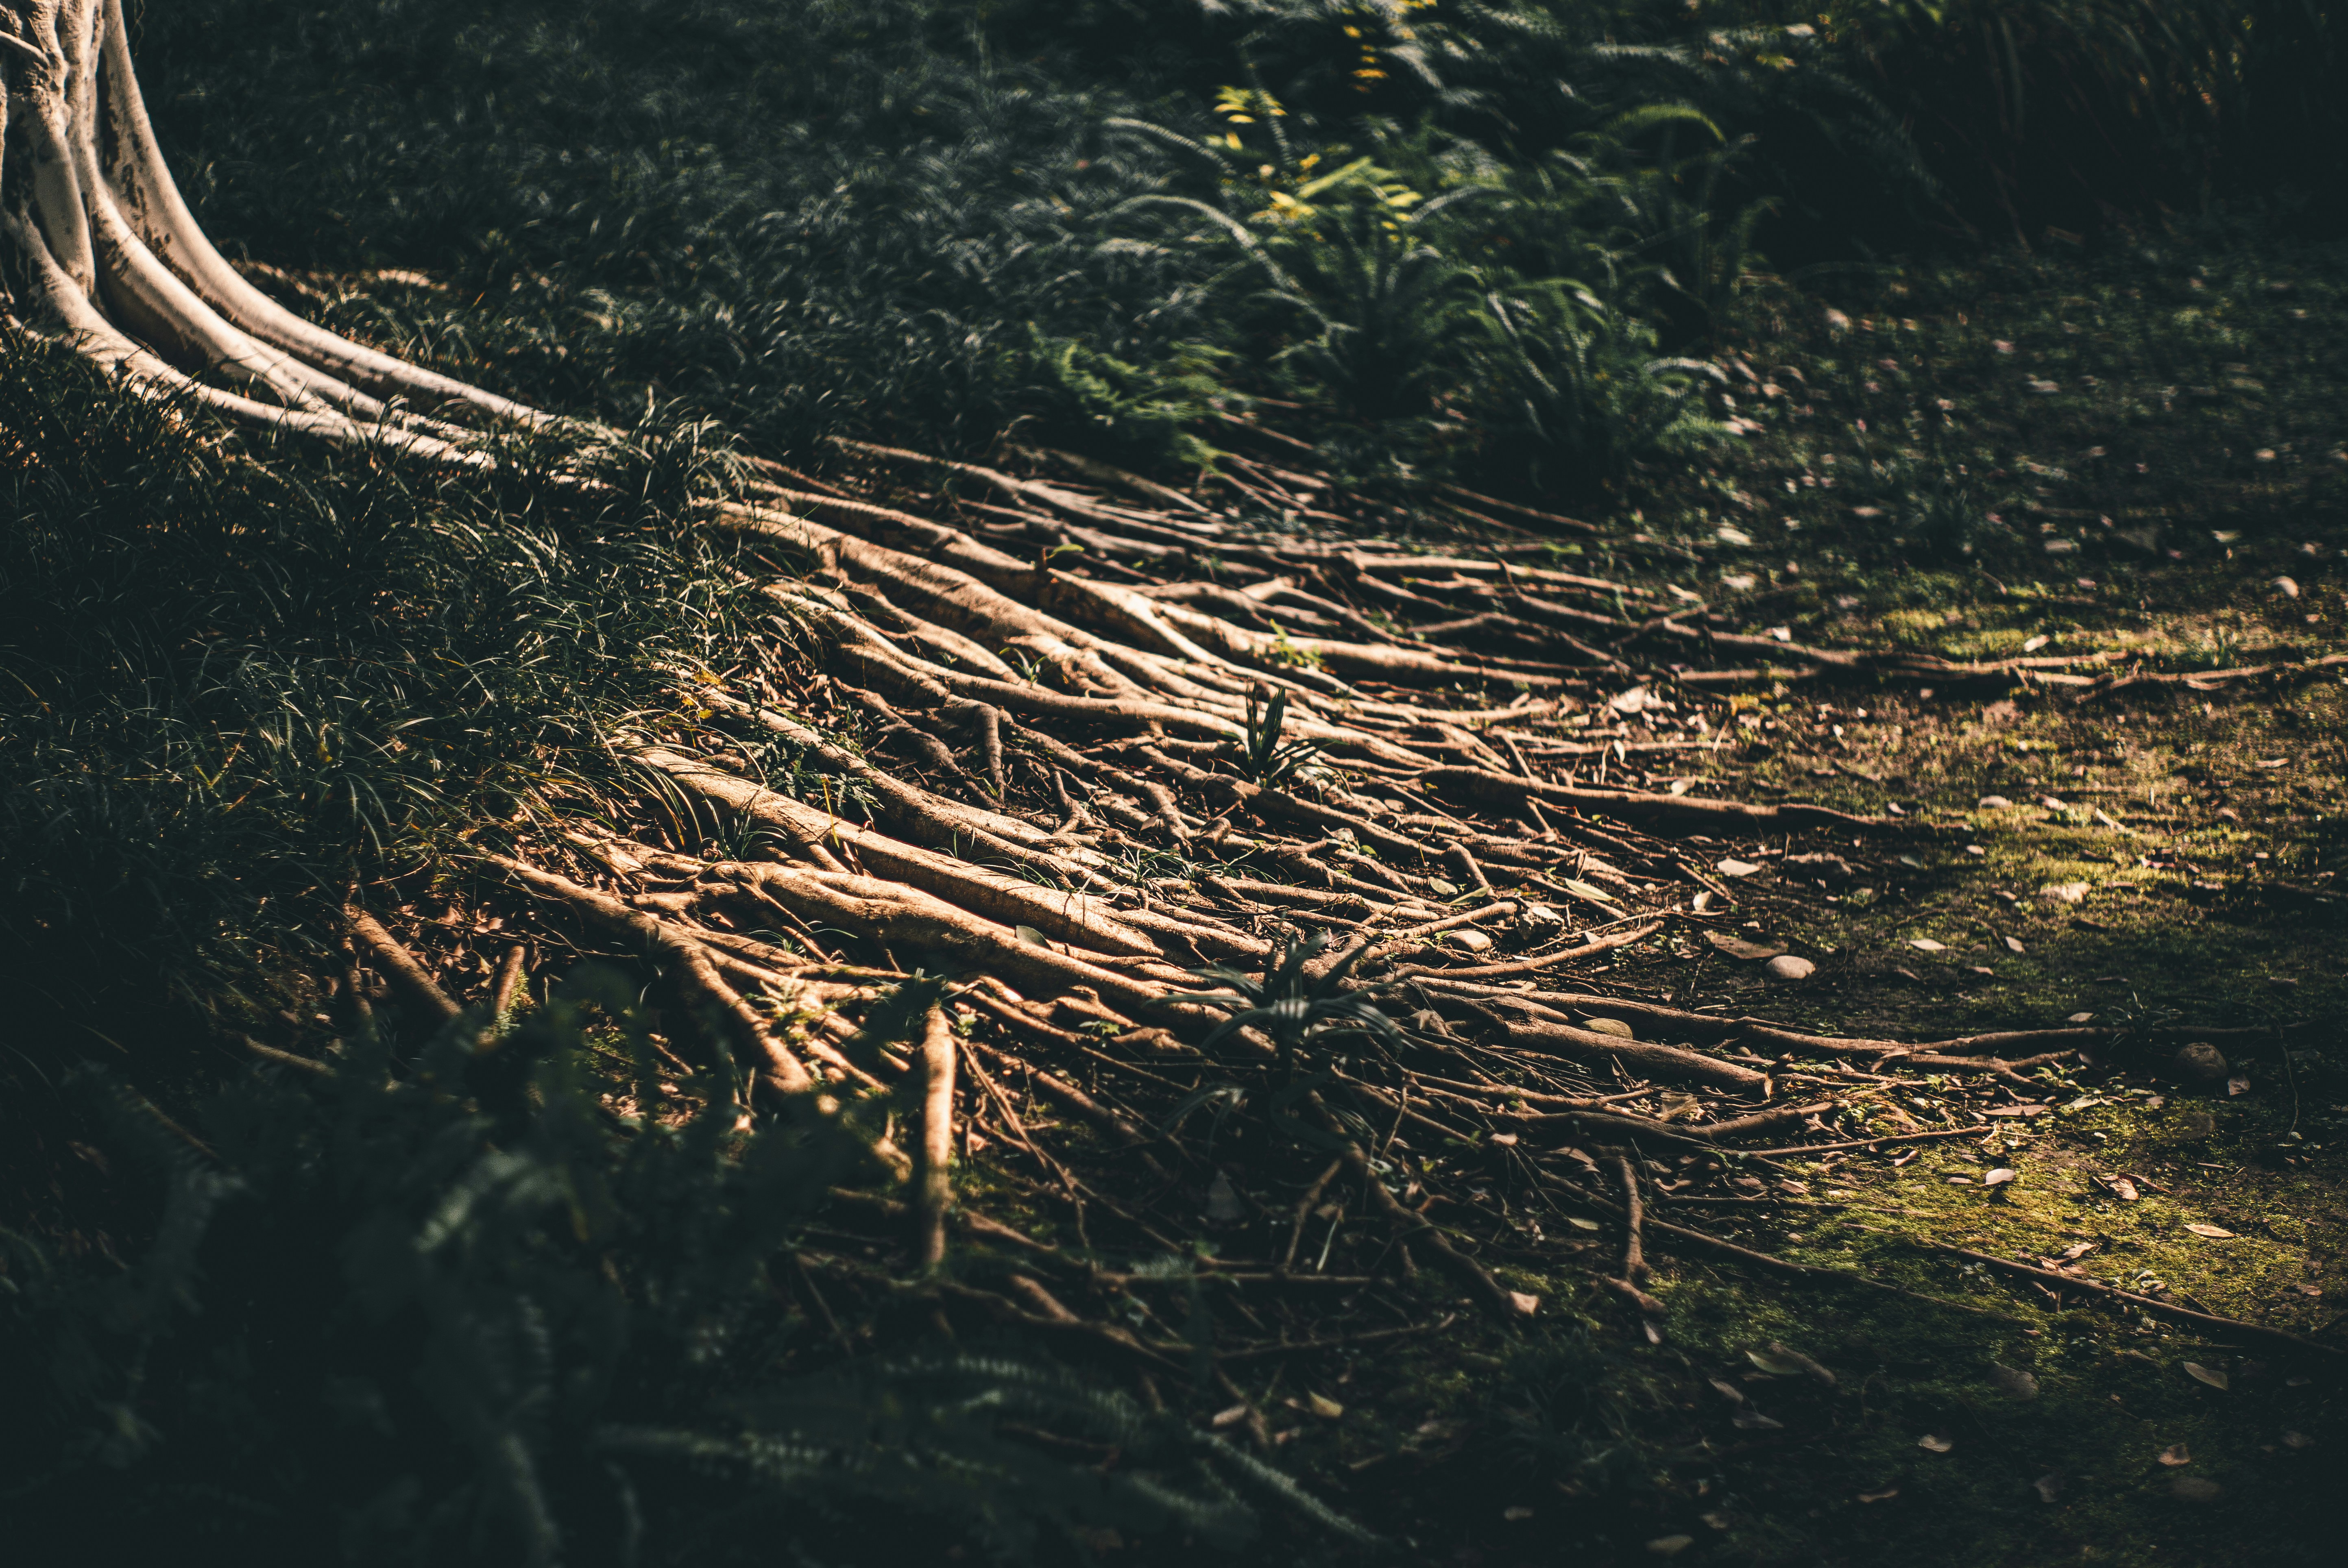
(1786,967)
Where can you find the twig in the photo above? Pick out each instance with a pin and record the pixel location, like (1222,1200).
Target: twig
(399,966)
(933,1182)
(2281,1337)
(1304,1212)
(1634,1261)
(501,995)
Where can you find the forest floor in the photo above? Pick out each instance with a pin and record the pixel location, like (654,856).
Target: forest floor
(2161,854)
(2138,456)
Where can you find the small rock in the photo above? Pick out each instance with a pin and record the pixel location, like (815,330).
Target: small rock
(2014,1382)
(1614,1026)
(1787,967)
(1825,868)
(2201,1062)
(1474,941)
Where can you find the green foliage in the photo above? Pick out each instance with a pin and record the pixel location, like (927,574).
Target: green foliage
(467,1312)
(238,673)
(1292,1006)
(1266,759)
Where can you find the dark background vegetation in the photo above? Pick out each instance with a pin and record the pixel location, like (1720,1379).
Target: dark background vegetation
(1516,245)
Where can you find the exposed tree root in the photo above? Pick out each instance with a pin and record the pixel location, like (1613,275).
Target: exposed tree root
(1066,787)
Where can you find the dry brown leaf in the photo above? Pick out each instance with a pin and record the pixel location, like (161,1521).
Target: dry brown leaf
(1998,1177)
(2175,1454)
(1738,947)
(2209,1375)
(1933,1443)
(1732,866)
(1926,944)
(1886,1495)
(2215,1232)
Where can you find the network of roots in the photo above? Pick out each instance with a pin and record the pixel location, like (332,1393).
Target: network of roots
(1032,743)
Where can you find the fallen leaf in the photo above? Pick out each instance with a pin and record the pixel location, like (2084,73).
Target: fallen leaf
(2014,1382)
(1994,802)
(1734,867)
(1614,1026)
(1787,967)
(2081,1018)
(1738,947)
(2209,1375)
(2048,1486)
(2215,1232)
(2013,945)
(1029,933)
(1327,1408)
(2236,1086)
(1800,1362)
(1926,944)
(2286,586)
(2175,1454)
(1579,1222)
(1673,1545)
(2195,1488)
(1735,1395)
(2065,891)
(1998,1177)
(1886,1495)
(1502,1140)
(2124,1190)
(2076,1251)
(2032,644)
(1517,1515)
(1933,1443)
(2018,1111)
(1228,1418)
(1522,1304)
(1752,1420)
(2297,1440)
